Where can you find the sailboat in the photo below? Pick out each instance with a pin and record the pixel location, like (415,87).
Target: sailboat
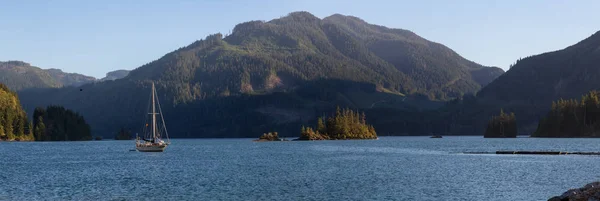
(151,141)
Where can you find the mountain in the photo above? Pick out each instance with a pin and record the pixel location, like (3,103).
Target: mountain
(567,73)
(432,66)
(276,76)
(530,86)
(18,75)
(69,79)
(113,75)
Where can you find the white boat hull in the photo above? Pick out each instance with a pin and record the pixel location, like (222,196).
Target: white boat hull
(151,148)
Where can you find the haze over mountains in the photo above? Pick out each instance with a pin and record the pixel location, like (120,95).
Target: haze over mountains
(280,74)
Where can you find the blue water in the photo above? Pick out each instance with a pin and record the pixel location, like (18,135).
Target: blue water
(391,168)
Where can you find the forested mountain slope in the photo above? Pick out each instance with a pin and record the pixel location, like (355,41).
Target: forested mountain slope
(532,84)
(276,76)
(18,75)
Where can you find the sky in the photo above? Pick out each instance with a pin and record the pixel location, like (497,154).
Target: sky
(95,37)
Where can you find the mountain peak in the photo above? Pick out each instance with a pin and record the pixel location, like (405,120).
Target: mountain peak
(340,18)
(15,63)
(298,16)
(302,15)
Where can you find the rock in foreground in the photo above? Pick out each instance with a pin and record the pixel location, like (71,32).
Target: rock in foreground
(590,192)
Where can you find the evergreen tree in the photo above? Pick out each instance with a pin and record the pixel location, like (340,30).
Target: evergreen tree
(270,136)
(40,129)
(346,124)
(502,126)
(56,123)
(123,134)
(12,116)
(321,125)
(572,118)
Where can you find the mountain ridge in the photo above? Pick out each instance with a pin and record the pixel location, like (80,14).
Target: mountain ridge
(297,65)
(530,86)
(19,75)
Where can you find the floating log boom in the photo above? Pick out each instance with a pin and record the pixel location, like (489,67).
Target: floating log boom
(537,153)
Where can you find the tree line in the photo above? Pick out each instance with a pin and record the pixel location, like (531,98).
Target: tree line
(14,124)
(572,118)
(55,123)
(123,134)
(502,126)
(346,124)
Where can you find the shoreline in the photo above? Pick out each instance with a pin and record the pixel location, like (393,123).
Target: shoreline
(295,139)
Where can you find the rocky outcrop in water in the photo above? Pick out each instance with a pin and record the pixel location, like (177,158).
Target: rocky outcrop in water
(590,192)
(269,137)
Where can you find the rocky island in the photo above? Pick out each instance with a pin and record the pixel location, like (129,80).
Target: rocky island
(345,125)
(590,191)
(270,136)
(123,134)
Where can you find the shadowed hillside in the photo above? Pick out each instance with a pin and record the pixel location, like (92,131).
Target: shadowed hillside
(531,85)
(267,75)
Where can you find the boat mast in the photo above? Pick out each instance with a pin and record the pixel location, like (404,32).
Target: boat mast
(153,116)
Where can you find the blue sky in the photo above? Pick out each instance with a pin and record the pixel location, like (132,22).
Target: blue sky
(94,37)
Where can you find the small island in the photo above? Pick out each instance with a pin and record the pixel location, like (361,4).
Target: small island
(123,134)
(502,126)
(270,136)
(345,125)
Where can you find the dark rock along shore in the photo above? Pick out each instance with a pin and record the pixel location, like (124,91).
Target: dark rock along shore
(590,192)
